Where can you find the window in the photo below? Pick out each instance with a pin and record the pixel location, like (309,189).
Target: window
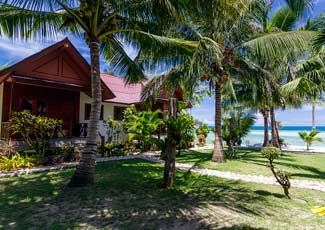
(27,104)
(118,113)
(38,108)
(88,109)
(41,108)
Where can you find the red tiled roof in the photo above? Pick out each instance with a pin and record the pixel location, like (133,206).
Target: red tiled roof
(125,94)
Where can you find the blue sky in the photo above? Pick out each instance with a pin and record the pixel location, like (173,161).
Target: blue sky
(11,52)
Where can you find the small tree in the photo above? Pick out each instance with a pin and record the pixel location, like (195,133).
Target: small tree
(236,125)
(37,131)
(282,177)
(202,133)
(309,138)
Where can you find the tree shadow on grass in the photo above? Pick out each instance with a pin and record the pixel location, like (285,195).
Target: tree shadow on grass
(315,172)
(127,195)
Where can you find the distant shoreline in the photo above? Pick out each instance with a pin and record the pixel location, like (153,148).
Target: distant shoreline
(287,128)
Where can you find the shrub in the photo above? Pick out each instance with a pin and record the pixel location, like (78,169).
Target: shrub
(187,130)
(35,130)
(111,149)
(141,126)
(232,154)
(114,129)
(117,152)
(282,177)
(202,132)
(17,161)
(271,153)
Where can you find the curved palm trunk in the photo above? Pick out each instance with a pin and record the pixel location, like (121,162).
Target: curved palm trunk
(265,114)
(313,116)
(169,170)
(85,172)
(275,135)
(218,153)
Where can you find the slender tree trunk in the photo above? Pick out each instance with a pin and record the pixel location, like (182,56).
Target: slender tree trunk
(275,136)
(85,172)
(313,116)
(169,170)
(265,114)
(218,152)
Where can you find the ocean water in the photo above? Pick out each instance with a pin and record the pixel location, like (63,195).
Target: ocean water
(288,133)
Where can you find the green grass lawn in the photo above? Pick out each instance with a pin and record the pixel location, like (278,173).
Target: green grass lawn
(302,166)
(127,195)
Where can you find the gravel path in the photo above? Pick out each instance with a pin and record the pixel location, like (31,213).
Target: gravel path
(315,185)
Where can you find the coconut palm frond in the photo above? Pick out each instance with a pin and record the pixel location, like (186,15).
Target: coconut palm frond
(275,46)
(114,53)
(318,41)
(16,22)
(301,86)
(284,19)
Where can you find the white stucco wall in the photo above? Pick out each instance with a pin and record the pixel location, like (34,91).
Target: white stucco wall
(108,112)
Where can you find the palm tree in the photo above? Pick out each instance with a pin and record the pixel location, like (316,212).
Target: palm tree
(222,38)
(104,24)
(236,125)
(309,81)
(309,138)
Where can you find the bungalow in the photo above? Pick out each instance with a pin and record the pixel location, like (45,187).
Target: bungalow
(56,82)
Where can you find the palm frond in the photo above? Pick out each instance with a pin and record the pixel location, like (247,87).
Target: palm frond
(20,23)
(275,46)
(318,41)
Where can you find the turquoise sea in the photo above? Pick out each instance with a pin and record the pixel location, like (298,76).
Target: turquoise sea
(288,133)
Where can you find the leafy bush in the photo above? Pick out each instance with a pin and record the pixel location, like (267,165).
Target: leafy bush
(188,130)
(141,126)
(114,129)
(271,153)
(203,128)
(111,149)
(117,152)
(17,161)
(182,129)
(202,132)
(282,177)
(232,154)
(161,144)
(35,130)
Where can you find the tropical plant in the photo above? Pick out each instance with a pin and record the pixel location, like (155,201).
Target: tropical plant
(107,26)
(37,131)
(282,177)
(142,126)
(182,128)
(202,131)
(311,137)
(236,125)
(114,129)
(17,161)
